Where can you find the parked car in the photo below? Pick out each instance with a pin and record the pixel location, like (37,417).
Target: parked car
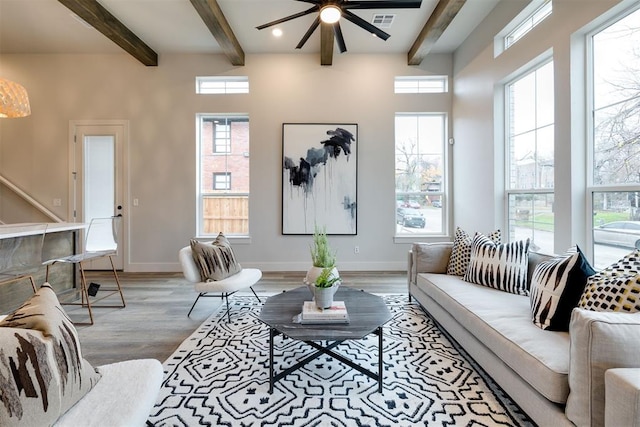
(410,217)
(411,204)
(618,233)
(436,204)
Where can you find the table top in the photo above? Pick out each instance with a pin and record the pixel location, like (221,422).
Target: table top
(367,312)
(8,231)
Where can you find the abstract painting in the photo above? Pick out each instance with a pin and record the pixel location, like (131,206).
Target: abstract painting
(319,177)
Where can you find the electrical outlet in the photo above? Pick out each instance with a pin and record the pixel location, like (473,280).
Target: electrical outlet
(356,249)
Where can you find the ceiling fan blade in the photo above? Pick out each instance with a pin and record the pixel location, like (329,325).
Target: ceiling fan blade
(383,4)
(289,18)
(310,31)
(365,25)
(337,31)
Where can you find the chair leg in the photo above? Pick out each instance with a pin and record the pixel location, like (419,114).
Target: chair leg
(115,274)
(254,292)
(33,284)
(84,293)
(194,303)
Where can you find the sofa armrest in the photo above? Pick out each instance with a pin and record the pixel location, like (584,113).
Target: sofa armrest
(123,397)
(622,397)
(428,258)
(599,341)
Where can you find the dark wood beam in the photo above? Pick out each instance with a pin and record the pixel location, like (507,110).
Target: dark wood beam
(212,15)
(439,20)
(326,44)
(94,14)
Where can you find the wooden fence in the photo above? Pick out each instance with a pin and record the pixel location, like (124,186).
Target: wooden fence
(227,214)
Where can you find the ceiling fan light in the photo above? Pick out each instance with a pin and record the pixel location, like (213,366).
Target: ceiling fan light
(330,14)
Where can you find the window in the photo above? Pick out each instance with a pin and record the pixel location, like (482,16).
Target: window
(423,84)
(222,85)
(222,181)
(530,158)
(528,23)
(420,174)
(614,167)
(221,138)
(223,204)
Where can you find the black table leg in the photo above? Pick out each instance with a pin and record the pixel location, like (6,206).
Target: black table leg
(272,334)
(379,331)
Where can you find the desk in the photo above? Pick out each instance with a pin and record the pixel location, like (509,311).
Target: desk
(61,239)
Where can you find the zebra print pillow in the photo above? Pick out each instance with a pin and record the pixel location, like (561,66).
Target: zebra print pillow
(215,260)
(461,251)
(556,287)
(501,266)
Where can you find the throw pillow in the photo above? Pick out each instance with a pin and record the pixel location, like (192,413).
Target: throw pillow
(215,260)
(556,287)
(615,288)
(500,266)
(461,251)
(41,365)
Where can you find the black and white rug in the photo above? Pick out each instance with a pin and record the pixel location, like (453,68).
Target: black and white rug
(220,376)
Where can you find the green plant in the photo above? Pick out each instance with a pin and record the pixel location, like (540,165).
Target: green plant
(321,254)
(325,279)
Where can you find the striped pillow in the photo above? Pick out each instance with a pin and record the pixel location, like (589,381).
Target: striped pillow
(500,266)
(556,287)
(215,260)
(461,251)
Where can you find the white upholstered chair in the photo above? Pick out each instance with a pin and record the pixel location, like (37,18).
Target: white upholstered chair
(246,278)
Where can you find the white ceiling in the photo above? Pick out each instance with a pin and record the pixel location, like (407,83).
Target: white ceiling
(174,26)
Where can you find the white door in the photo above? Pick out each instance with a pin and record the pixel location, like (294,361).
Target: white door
(98,178)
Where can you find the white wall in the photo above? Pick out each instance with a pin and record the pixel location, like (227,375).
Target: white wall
(479,78)
(160,104)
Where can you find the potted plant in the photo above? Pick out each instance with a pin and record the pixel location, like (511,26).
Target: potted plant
(321,256)
(324,287)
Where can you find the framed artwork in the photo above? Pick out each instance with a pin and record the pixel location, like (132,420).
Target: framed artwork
(319,177)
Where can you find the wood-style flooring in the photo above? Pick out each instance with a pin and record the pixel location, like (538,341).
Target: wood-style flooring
(155,321)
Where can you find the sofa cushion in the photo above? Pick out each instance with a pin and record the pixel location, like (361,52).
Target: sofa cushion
(556,287)
(502,322)
(599,341)
(431,257)
(215,260)
(461,251)
(615,288)
(41,365)
(500,266)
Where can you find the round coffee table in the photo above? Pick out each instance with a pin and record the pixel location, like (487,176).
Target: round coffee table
(367,314)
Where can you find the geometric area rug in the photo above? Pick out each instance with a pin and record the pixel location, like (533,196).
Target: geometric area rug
(220,376)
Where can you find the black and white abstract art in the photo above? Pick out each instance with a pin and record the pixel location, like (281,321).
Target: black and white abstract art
(319,177)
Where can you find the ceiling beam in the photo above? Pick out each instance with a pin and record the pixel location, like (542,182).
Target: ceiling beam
(212,15)
(94,14)
(439,20)
(326,44)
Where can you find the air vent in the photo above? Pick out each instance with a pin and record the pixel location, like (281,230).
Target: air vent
(383,20)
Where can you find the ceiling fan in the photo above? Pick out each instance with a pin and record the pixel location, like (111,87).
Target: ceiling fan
(330,12)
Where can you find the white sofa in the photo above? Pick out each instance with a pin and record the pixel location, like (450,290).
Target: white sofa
(557,378)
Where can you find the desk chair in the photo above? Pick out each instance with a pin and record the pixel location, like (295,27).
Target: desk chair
(246,278)
(100,241)
(21,257)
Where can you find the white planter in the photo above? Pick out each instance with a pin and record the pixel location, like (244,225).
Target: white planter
(314,272)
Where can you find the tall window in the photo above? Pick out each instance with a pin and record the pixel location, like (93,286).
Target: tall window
(615,134)
(223,204)
(420,174)
(530,157)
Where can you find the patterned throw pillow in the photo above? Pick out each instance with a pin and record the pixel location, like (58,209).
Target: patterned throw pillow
(215,260)
(500,266)
(41,366)
(616,288)
(556,287)
(461,251)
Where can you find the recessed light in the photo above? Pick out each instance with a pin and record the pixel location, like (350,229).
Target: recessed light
(277,32)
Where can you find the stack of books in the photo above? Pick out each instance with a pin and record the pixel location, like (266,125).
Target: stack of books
(337,313)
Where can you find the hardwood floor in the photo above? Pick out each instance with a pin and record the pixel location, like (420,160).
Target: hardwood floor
(155,320)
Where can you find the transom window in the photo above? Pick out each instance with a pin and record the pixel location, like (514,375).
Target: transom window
(222,85)
(421,84)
